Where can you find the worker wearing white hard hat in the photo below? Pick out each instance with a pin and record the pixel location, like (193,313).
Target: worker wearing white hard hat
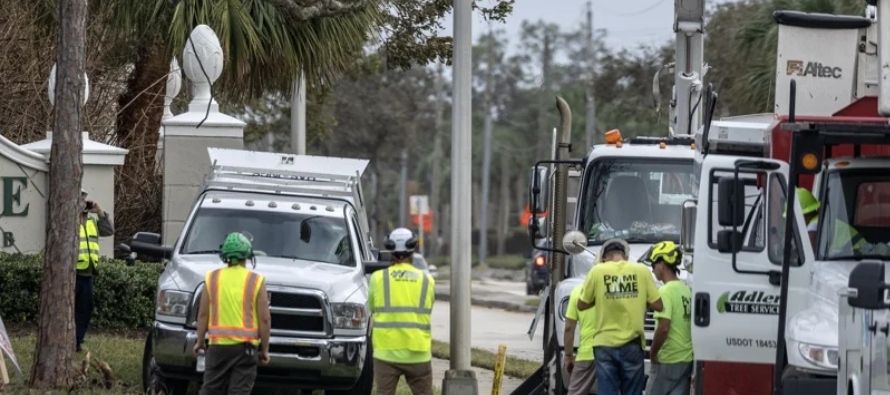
(401,302)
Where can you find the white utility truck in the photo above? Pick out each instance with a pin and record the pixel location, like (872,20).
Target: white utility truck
(307,218)
(864,326)
(765,305)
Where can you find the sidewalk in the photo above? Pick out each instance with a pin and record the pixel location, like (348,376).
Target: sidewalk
(485,378)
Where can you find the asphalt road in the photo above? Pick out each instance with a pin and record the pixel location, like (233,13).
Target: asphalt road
(491,328)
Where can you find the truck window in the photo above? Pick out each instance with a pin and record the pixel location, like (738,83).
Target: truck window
(275,234)
(777,207)
(637,199)
(857,211)
(754,226)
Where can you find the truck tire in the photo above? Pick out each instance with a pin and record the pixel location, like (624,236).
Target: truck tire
(152,379)
(365,383)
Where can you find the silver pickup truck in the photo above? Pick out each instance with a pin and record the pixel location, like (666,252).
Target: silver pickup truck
(307,219)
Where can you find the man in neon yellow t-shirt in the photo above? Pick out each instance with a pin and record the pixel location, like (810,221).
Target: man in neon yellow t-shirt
(580,367)
(671,351)
(621,291)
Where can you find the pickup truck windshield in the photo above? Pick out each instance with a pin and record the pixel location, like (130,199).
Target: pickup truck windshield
(857,216)
(277,234)
(637,199)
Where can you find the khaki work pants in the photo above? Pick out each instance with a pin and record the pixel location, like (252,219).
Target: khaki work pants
(418,375)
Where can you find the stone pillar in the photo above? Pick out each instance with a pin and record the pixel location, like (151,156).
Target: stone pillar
(174,85)
(188,135)
(99,161)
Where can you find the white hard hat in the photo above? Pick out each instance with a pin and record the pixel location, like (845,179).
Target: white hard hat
(400,240)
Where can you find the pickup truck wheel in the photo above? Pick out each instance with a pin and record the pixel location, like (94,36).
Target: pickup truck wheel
(365,383)
(153,381)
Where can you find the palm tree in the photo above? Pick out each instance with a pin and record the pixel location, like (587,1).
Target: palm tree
(758,39)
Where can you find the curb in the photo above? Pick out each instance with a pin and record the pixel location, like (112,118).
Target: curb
(492,304)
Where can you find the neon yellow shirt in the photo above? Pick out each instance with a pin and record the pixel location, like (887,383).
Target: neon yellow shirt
(620,291)
(677,300)
(584,326)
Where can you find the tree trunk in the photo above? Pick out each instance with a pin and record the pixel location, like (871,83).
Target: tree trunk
(54,351)
(504,206)
(137,201)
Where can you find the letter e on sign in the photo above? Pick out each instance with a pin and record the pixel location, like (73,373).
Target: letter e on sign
(12,197)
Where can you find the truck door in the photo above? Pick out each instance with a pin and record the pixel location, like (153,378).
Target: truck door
(736,296)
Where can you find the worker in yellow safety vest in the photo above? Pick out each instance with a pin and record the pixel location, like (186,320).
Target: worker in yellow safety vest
(234,314)
(94,223)
(401,301)
(844,234)
(809,207)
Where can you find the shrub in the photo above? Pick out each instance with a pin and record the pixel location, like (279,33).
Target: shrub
(124,295)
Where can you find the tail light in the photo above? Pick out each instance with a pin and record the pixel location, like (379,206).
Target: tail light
(539,261)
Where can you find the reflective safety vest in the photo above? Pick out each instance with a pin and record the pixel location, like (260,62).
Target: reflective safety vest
(233,312)
(402,311)
(89,246)
(845,234)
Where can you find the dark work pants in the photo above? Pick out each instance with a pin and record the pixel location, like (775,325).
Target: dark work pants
(229,369)
(83,306)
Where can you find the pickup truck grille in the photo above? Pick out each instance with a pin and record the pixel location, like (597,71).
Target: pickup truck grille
(298,312)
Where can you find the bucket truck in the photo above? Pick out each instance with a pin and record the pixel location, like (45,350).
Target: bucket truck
(765,308)
(627,187)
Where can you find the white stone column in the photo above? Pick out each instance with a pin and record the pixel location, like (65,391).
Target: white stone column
(188,135)
(99,161)
(174,85)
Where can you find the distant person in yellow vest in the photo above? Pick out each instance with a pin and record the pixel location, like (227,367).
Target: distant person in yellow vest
(671,352)
(234,314)
(401,301)
(94,223)
(809,207)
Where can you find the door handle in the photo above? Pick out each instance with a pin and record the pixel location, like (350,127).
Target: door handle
(702,309)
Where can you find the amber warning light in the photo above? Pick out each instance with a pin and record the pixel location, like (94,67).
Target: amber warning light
(613,136)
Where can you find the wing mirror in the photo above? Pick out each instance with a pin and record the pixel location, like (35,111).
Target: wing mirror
(149,244)
(867,282)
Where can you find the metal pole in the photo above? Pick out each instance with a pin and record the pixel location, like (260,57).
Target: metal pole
(590,124)
(461,379)
(298,116)
(486,155)
(403,189)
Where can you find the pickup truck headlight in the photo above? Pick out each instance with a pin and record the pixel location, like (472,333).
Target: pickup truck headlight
(821,356)
(349,316)
(173,304)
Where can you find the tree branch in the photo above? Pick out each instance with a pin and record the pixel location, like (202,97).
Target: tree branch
(304,10)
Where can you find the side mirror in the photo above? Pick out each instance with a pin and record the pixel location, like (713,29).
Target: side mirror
(537,229)
(729,242)
(539,189)
(731,197)
(687,225)
(373,266)
(867,279)
(149,244)
(574,242)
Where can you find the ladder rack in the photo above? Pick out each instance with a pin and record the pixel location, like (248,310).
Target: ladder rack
(253,171)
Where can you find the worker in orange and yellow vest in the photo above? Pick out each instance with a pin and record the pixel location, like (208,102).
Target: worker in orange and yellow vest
(234,314)
(401,301)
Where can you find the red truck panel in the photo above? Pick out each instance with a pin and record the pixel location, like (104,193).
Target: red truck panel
(864,110)
(730,378)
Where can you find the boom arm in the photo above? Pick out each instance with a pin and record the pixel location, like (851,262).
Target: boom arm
(689,26)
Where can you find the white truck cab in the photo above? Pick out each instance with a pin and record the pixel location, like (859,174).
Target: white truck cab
(306,218)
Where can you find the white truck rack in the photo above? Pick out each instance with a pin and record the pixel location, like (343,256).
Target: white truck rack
(280,173)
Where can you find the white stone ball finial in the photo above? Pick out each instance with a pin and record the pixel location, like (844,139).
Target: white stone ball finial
(51,88)
(174,84)
(202,45)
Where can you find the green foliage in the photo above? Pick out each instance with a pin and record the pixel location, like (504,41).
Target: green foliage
(124,295)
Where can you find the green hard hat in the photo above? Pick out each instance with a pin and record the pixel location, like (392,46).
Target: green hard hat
(808,202)
(236,247)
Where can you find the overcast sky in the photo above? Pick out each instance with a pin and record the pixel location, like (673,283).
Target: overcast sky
(629,22)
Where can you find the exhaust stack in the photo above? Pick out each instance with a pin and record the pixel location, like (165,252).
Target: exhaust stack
(883,14)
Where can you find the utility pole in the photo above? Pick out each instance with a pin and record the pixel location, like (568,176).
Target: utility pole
(486,155)
(436,188)
(403,189)
(298,116)
(590,124)
(545,95)
(461,379)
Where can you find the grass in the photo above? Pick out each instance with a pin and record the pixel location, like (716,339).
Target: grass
(123,353)
(515,367)
(533,302)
